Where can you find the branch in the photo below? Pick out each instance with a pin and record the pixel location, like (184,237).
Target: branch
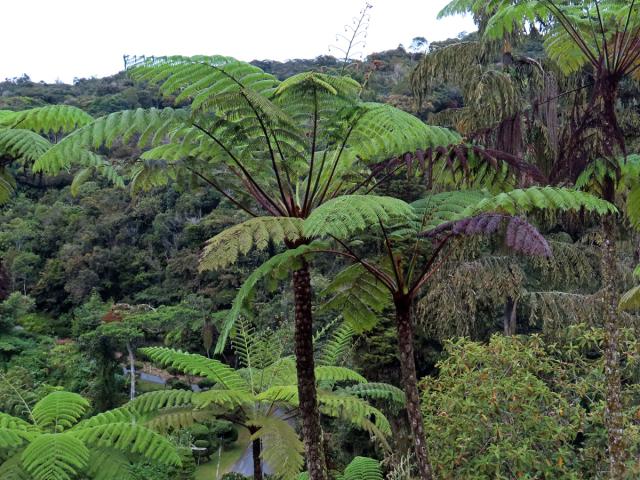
(219,189)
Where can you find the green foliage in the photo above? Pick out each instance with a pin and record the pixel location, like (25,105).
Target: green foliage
(256,233)
(346,215)
(59,447)
(362,468)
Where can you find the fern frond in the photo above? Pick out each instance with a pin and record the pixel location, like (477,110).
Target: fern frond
(15,437)
(154,401)
(287,259)
(198,365)
(225,248)
(225,398)
(362,468)
(346,215)
(59,410)
(630,300)
(337,346)
(444,207)
(108,464)
(55,456)
(12,469)
(353,410)
(333,374)
(51,119)
(377,391)
(22,144)
(176,418)
(281,447)
(358,296)
(542,198)
(129,438)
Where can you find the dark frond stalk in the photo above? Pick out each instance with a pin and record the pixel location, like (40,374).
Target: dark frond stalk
(337,160)
(605,45)
(392,258)
(427,270)
(373,270)
(613,414)
(245,172)
(404,324)
(577,37)
(625,38)
(220,190)
(305,369)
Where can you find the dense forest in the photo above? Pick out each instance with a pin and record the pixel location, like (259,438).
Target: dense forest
(422,264)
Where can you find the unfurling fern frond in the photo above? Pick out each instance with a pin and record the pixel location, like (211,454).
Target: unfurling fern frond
(225,248)
(129,438)
(362,468)
(55,456)
(287,259)
(358,296)
(281,447)
(520,235)
(195,364)
(51,119)
(59,410)
(542,198)
(348,214)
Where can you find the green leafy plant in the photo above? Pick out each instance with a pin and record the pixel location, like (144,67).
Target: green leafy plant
(58,445)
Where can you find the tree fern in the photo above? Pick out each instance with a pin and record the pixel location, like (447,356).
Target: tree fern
(59,410)
(54,456)
(225,248)
(281,445)
(51,119)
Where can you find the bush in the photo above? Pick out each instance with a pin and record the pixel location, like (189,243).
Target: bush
(36,323)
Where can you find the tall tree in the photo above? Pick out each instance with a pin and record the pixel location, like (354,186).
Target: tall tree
(276,150)
(365,288)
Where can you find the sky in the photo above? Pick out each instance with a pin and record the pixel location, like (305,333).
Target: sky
(66,39)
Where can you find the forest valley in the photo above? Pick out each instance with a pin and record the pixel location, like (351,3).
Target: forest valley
(421,265)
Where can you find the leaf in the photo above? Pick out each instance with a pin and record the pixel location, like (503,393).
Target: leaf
(281,447)
(362,468)
(59,410)
(55,456)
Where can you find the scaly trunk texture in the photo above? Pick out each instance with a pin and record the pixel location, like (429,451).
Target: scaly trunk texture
(305,368)
(404,323)
(4,282)
(613,416)
(257,461)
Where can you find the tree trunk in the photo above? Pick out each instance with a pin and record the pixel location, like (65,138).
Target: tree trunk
(132,372)
(257,461)
(613,416)
(509,319)
(4,282)
(305,368)
(404,323)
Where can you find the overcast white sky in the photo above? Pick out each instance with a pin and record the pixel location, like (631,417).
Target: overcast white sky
(63,39)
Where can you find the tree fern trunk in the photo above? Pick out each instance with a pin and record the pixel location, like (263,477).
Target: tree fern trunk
(305,367)
(404,323)
(257,461)
(614,420)
(510,320)
(4,282)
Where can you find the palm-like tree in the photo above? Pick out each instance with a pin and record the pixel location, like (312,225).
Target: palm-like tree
(369,285)
(276,150)
(58,445)
(262,396)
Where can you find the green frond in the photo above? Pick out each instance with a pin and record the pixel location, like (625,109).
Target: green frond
(59,410)
(12,469)
(176,418)
(153,401)
(116,415)
(377,391)
(337,346)
(256,233)
(346,215)
(358,296)
(22,144)
(51,119)
(195,364)
(7,185)
(282,393)
(55,456)
(330,84)
(15,437)
(630,300)
(444,207)
(354,410)
(333,374)
(286,260)
(108,464)
(362,468)
(225,398)
(541,198)
(281,447)
(14,423)
(128,438)
(382,132)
